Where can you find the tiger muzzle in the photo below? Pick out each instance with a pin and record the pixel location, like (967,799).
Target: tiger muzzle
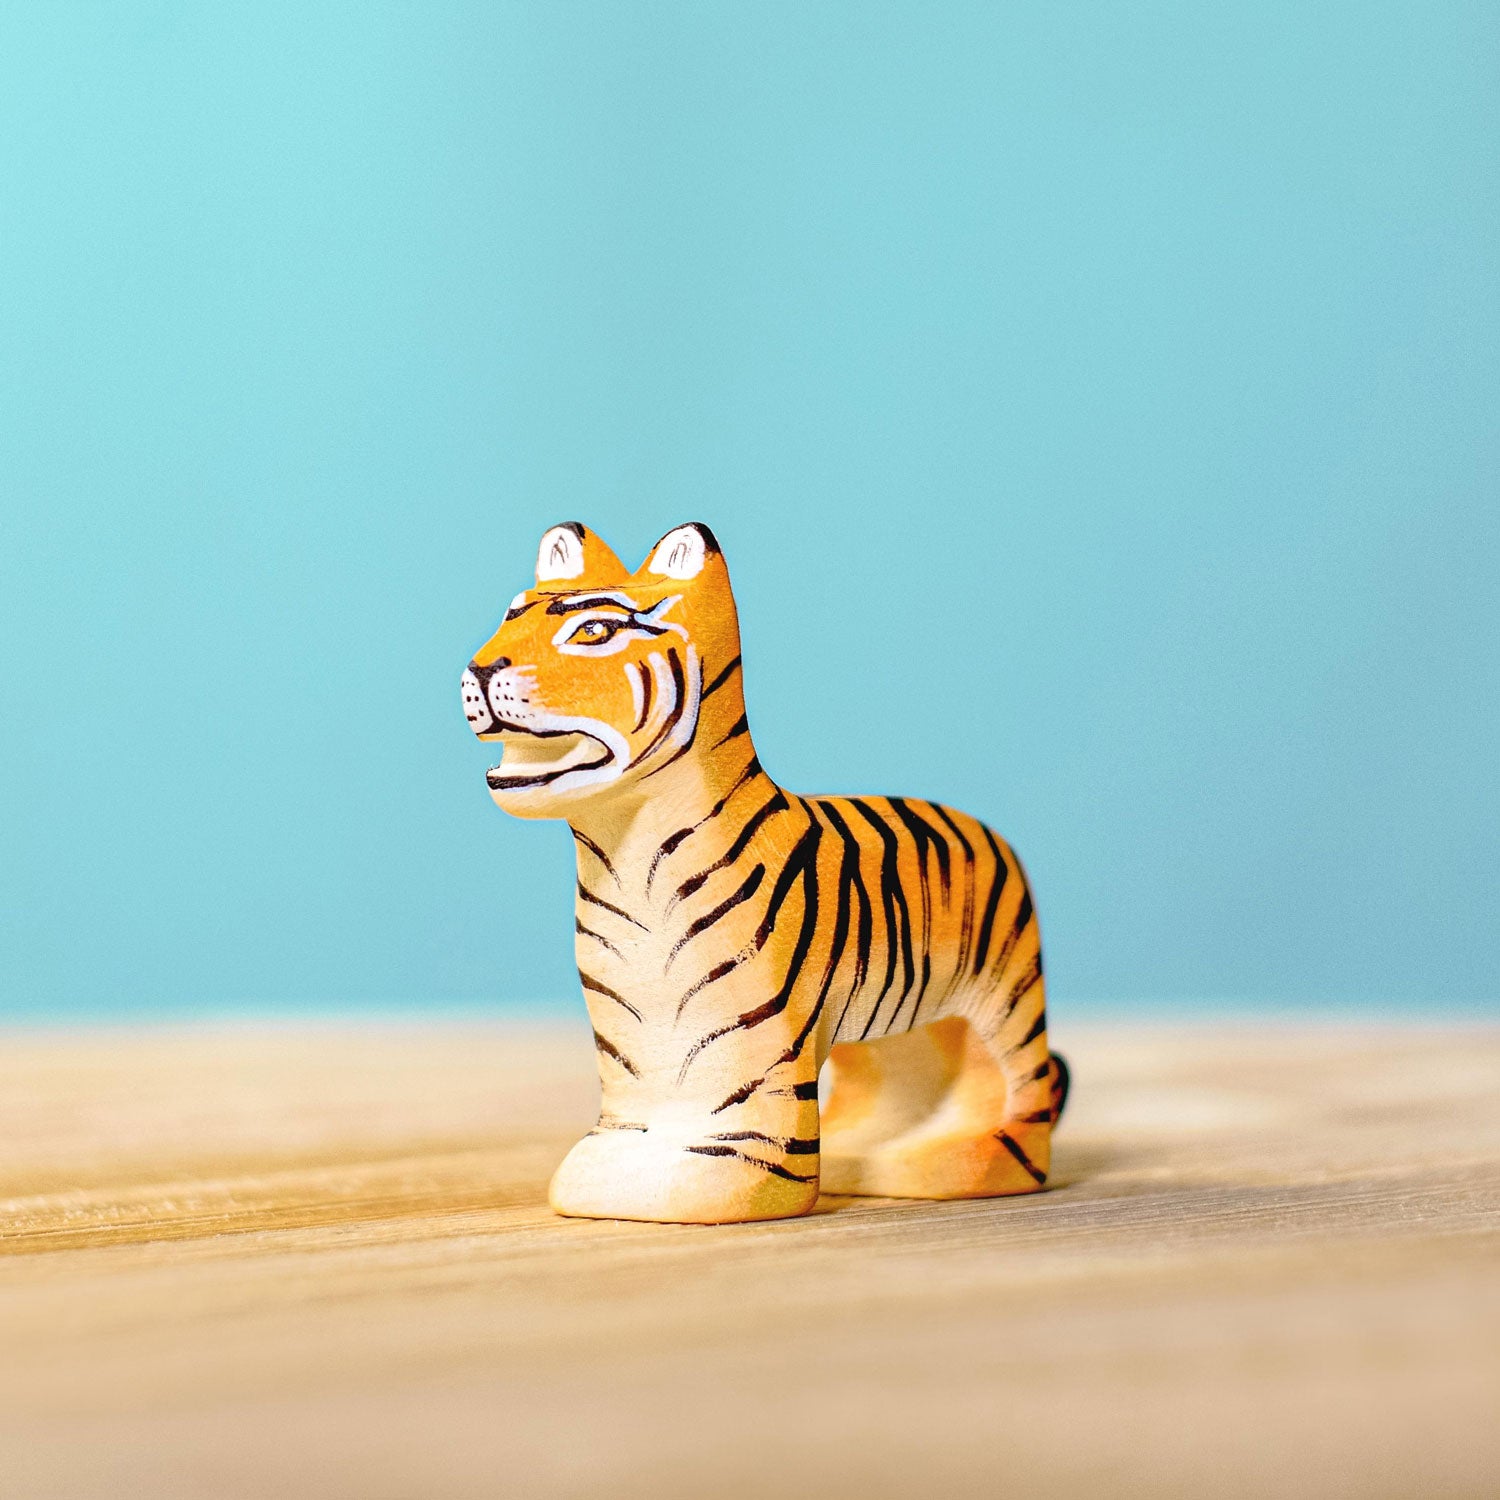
(484,694)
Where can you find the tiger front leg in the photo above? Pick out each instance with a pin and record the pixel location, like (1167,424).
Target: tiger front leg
(700,1139)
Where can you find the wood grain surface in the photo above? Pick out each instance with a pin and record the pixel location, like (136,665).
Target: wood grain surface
(288,1261)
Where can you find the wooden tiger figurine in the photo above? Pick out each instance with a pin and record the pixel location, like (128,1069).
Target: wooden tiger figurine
(731,935)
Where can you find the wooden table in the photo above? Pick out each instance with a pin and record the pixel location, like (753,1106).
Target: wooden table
(281,1261)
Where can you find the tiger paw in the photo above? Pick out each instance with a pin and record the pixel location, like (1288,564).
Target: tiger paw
(651,1175)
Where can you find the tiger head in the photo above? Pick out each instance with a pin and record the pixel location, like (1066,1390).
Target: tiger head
(596,678)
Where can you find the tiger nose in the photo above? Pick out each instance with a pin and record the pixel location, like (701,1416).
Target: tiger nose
(474,688)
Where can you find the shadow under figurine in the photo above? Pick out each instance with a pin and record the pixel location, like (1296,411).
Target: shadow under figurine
(731,935)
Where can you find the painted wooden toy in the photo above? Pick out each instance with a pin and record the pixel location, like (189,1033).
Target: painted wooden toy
(731,935)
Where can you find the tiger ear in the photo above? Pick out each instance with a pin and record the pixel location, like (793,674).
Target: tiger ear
(683,552)
(572,553)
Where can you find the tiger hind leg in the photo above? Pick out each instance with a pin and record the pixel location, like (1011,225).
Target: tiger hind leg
(937,1113)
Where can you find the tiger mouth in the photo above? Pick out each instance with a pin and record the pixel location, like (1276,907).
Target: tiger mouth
(535,757)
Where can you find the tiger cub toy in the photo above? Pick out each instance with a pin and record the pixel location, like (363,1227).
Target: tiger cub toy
(731,936)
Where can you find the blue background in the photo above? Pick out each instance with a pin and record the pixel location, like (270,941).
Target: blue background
(1097,405)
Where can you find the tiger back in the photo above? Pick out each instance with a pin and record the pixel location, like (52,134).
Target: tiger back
(732,936)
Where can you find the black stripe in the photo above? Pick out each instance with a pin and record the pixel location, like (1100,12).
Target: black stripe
(754,1161)
(670,722)
(597,852)
(740,726)
(775,804)
(568,603)
(967,930)
(499,780)
(850,877)
(1060,1085)
(1015,1150)
(669,846)
(1038,1026)
(745,1090)
(925,838)
(780,1171)
(746,890)
(1036,1117)
(587,895)
(589,932)
(674,841)
(722,678)
(648,682)
(608,1048)
(803,860)
(1030,978)
(590,983)
(793,1052)
(992,901)
(1024,913)
(692,733)
(840,938)
(716,973)
(893,900)
(740,1094)
(792,1145)
(799,862)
